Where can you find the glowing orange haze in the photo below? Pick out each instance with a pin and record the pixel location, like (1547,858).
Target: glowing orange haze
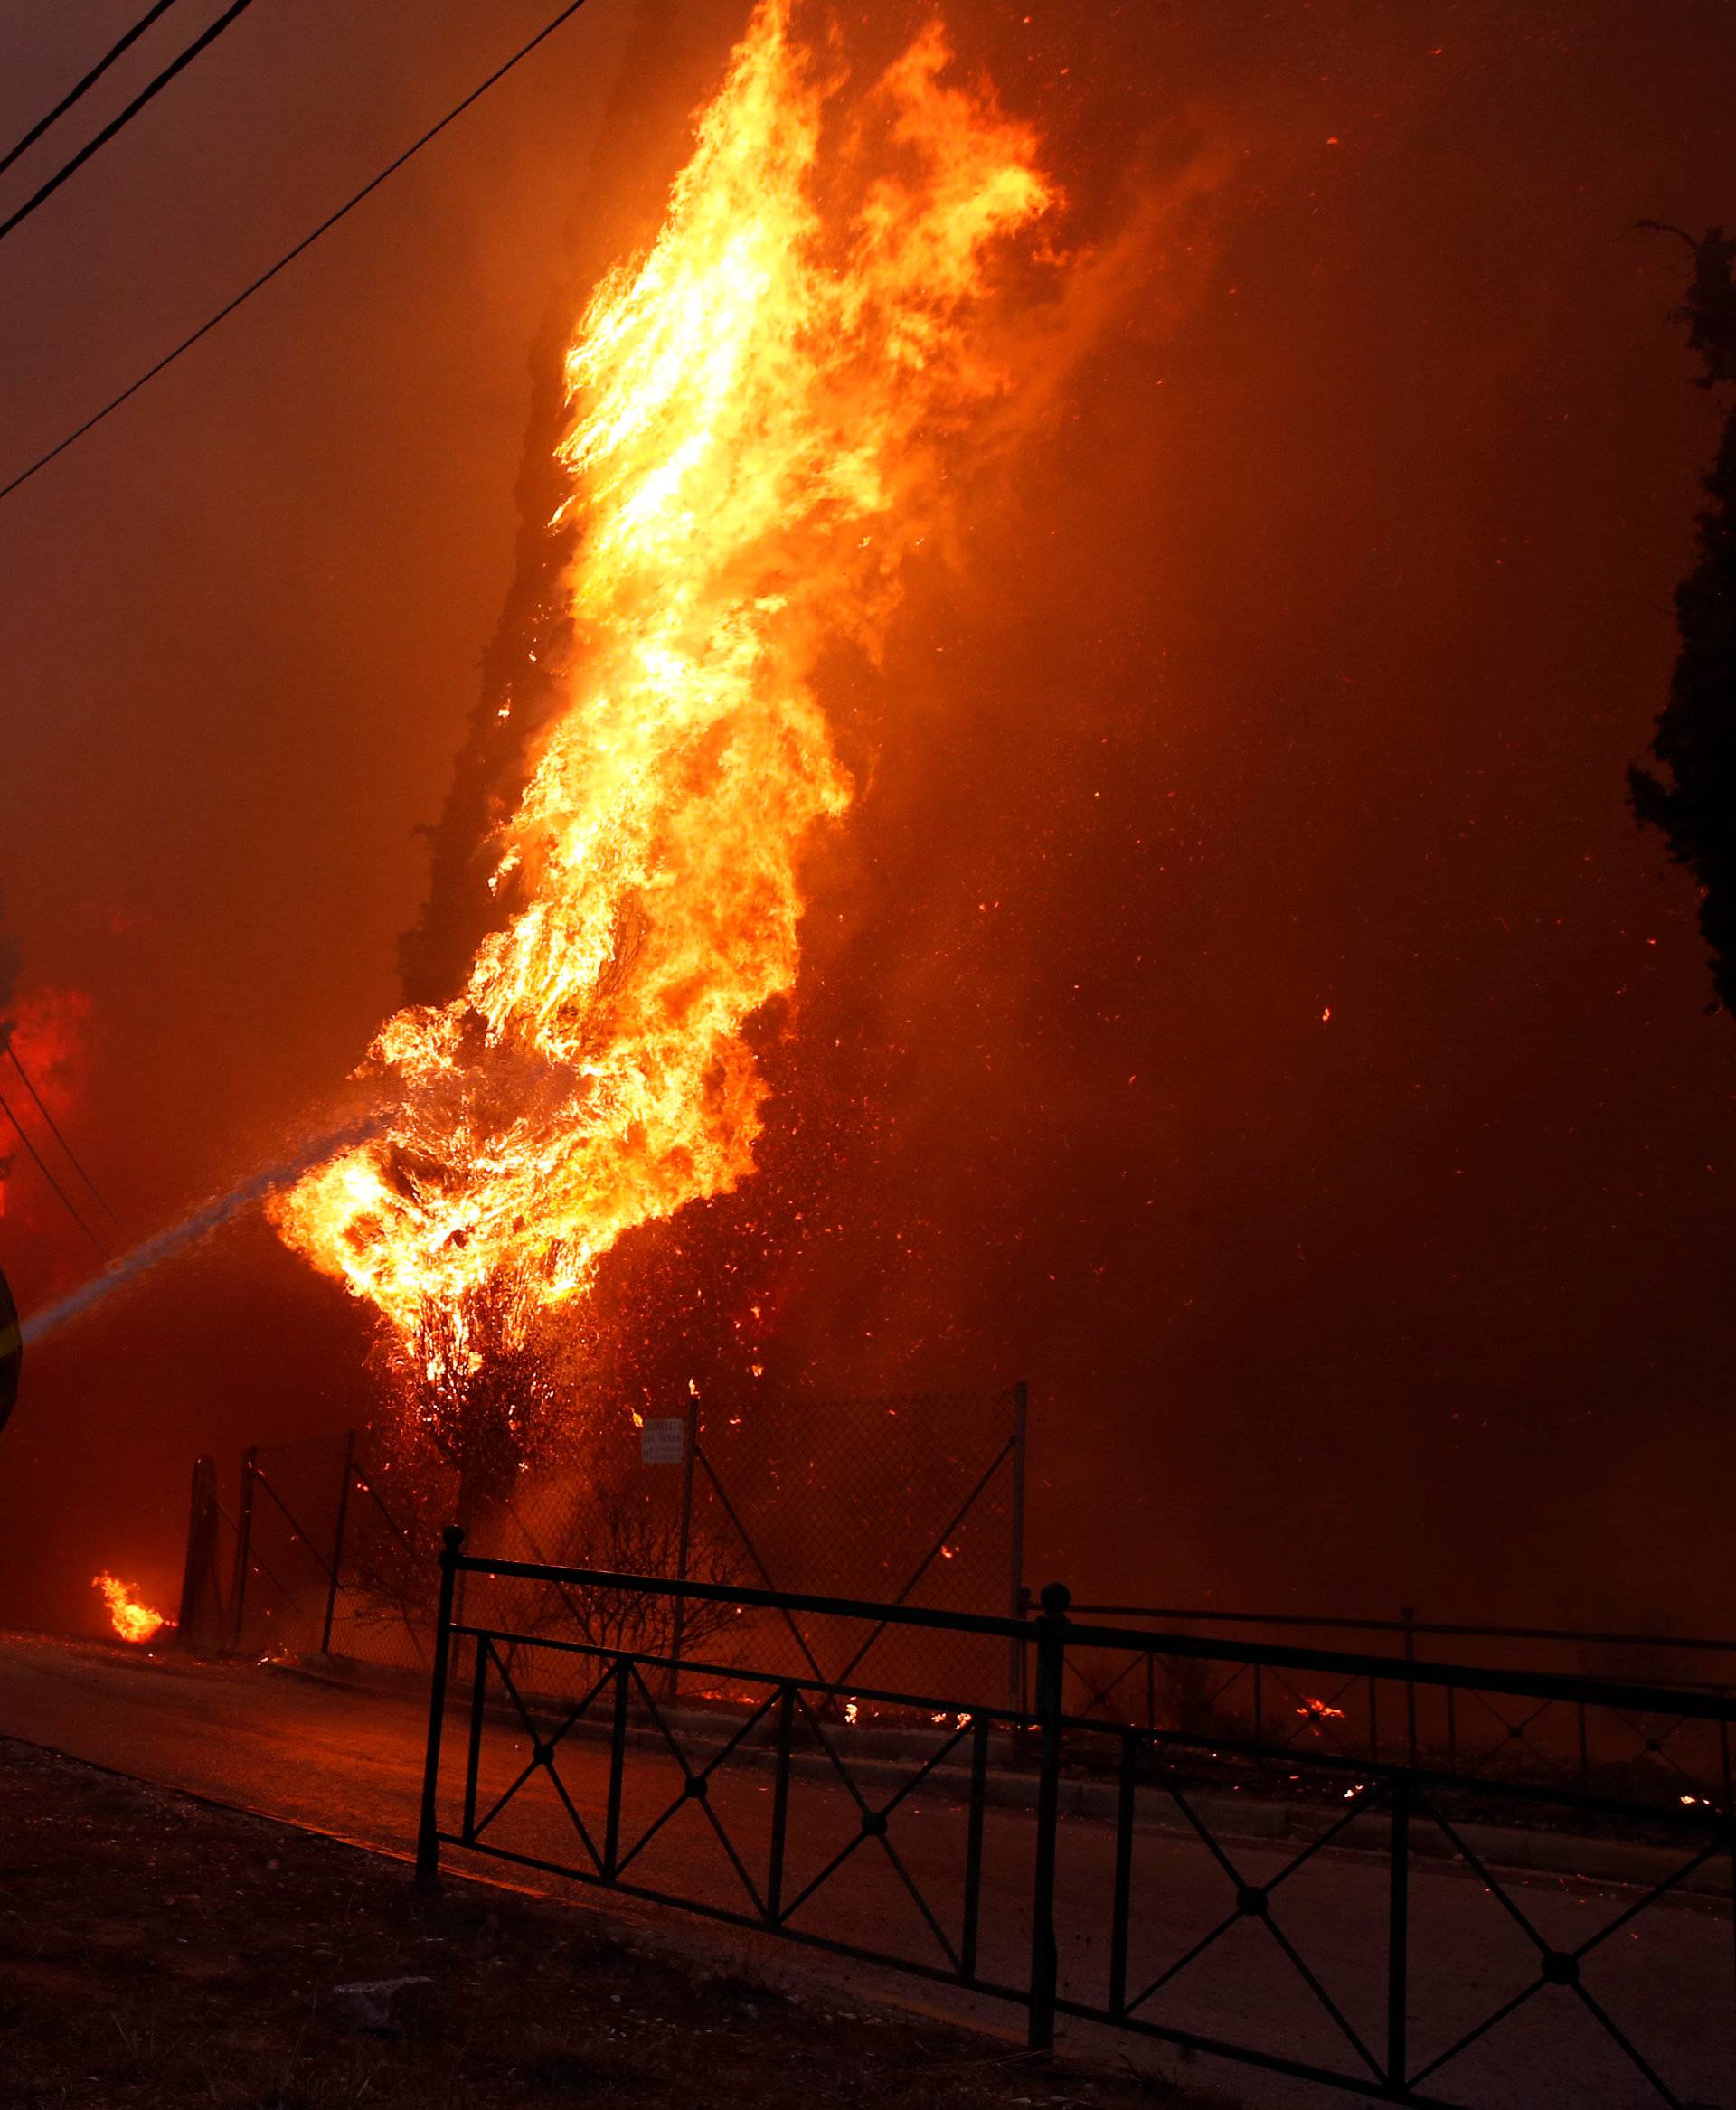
(761,412)
(133,1619)
(49,1028)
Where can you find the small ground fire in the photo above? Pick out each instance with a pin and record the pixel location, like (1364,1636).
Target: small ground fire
(132,1618)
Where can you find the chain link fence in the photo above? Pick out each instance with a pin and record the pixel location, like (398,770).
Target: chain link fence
(325,1548)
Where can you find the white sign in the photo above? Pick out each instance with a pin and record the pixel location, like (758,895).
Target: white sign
(661,1442)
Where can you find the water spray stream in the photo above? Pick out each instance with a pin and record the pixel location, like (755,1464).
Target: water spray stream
(197,1224)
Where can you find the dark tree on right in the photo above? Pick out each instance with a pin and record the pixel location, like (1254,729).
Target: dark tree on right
(1693,801)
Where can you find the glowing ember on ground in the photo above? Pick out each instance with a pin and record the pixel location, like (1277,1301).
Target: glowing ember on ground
(132,1620)
(766,408)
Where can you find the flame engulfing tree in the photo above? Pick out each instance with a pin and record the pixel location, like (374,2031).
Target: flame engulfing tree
(1695,737)
(765,414)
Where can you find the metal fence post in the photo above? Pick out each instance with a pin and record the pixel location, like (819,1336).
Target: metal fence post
(473,1756)
(428,1834)
(199,1572)
(780,1813)
(1051,1671)
(1022,1698)
(621,1674)
(1122,1894)
(1398,1934)
(337,1542)
(1016,1597)
(1407,1614)
(244,1536)
(683,1543)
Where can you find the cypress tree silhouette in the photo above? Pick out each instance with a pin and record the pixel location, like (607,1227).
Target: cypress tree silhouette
(1694,741)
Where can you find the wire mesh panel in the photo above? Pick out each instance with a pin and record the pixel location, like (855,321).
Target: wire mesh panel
(315,1548)
(907,1500)
(911,1500)
(287,1513)
(391,1524)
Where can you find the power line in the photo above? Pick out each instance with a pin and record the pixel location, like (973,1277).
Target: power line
(289,256)
(151,90)
(89,81)
(54,1130)
(42,1164)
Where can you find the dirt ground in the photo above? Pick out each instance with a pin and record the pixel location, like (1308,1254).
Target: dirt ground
(157,1950)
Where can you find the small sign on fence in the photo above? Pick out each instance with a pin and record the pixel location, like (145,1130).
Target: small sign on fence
(662,1441)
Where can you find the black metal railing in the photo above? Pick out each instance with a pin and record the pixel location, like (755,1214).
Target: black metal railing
(1082,1867)
(1460,1726)
(1406,1620)
(1667,1659)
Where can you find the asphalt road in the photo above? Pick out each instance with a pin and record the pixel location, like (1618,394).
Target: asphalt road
(350,1763)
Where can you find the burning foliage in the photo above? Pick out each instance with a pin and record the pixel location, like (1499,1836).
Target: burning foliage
(763,413)
(481,1388)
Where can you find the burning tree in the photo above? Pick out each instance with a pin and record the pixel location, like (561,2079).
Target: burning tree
(480,1390)
(1695,738)
(761,416)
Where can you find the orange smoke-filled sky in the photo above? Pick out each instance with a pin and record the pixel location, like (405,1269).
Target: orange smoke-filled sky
(1291,669)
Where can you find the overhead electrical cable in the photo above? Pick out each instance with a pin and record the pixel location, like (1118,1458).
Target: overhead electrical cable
(289,256)
(84,87)
(43,1166)
(146,94)
(53,1128)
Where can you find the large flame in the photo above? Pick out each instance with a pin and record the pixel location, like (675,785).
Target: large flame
(762,410)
